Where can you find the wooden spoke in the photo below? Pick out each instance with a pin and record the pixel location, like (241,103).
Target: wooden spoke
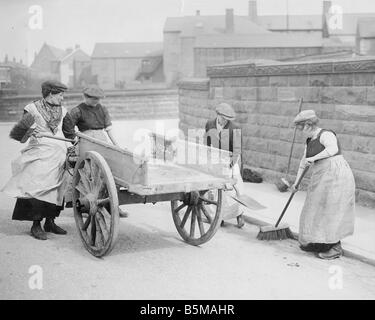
(102,202)
(102,223)
(192,223)
(104,211)
(81,189)
(84,180)
(179,208)
(86,224)
(99,234)
(186,216)
(200,222)
(205,212)
(208,200)
(95,173)
(93,231)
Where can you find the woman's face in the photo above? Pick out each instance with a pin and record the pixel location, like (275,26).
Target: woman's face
(55,98)
(222,121)
(306,128)
(91,101)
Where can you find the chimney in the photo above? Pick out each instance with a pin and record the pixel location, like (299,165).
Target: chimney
(68,51)
(253,11)
(77,46)
(326,7)
(198,13)
(229,21)
(6,59)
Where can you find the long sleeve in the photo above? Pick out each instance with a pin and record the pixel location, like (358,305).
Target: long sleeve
(23,129)
(68,126)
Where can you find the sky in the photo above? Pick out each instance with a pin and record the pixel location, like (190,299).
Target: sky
(64,23)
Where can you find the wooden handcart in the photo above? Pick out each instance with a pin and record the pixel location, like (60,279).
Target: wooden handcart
(106,176)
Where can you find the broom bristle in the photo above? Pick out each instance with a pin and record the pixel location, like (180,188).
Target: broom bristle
(276,234)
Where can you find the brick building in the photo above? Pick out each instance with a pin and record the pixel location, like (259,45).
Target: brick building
(117,64)
(63,65)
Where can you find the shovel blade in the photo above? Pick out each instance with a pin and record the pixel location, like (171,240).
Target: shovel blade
(248,202)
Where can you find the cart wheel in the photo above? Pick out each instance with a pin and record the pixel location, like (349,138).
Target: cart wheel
(95,204)
(194,211)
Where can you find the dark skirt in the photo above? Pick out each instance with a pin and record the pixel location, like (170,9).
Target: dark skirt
(34,209)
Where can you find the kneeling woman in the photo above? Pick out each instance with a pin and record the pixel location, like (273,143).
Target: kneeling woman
(328,213)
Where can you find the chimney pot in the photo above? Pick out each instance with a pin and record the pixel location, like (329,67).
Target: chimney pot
(198,13)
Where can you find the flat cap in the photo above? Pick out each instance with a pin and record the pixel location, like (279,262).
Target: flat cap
(226,111)
(93,91)
(54,86)
(305,115)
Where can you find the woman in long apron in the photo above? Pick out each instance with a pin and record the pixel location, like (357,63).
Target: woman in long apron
(328,213)
(38,180)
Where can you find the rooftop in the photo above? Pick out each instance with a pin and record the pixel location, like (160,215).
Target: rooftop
(270,40)
(188,26)
(127,49)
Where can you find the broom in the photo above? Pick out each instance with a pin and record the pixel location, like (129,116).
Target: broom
(283,231)
(283,185)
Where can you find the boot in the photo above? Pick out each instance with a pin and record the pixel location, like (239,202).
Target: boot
(240,221)
(37,231)
(333,253)
(50,226)
(122,213)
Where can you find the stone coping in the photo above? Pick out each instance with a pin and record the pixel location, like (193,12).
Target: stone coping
(194,84)
(108,94)
(251,69)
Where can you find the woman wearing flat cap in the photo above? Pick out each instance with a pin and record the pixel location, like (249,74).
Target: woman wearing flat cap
(222,133)
(38,174)
(328,213)
(91,117)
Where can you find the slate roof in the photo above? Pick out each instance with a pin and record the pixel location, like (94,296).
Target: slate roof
(313,22)
(271,40)
(126,49)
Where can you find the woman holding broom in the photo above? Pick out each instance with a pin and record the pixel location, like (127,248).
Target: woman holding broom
(328,213)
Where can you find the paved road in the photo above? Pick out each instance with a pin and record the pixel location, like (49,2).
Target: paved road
(151,261)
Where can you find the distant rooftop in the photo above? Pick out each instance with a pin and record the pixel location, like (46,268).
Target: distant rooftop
(270,40)
(127,49)
(312,22)
(189,26)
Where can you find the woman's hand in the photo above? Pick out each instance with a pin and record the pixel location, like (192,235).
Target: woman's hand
(309,161)
(38,132)
(293,188)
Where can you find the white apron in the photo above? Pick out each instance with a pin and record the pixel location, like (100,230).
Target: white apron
(39,171)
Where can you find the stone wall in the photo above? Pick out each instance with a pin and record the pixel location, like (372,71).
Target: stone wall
(265,98)
(142,104)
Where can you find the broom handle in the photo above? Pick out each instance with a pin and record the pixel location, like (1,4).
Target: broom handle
(291,196)
(294,138)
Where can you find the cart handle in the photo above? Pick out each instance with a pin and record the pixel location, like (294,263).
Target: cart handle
(43,135)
